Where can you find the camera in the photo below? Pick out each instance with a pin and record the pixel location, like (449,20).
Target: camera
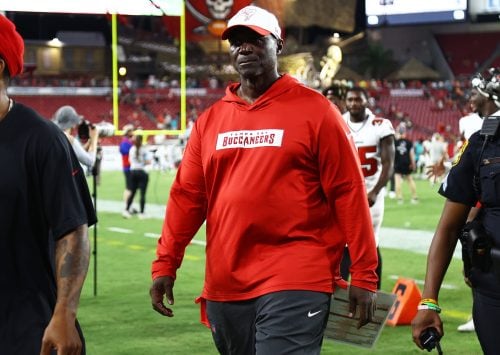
(104,129)
(429,339)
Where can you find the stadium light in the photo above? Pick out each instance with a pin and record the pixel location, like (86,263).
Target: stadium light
(55,42)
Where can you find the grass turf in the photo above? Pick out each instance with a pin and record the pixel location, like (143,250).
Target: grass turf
(119,320)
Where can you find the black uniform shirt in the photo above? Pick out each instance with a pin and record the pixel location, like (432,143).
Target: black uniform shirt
(458,186)
(402,158)
(43,196)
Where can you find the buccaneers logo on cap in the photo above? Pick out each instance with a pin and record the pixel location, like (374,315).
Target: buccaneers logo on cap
(247,14)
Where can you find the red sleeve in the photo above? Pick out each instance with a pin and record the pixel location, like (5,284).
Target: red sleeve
(344,187)
(186,210)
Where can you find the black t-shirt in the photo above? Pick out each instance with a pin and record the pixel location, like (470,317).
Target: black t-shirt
(43,196)
(458,187)
(402,160)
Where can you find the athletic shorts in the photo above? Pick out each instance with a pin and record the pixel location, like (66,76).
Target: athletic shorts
(402,169)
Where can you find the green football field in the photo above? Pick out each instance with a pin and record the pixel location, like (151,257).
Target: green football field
(120,320)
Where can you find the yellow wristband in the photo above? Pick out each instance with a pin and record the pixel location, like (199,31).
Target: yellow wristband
(429,300)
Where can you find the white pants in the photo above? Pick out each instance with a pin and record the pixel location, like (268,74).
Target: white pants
(377,213)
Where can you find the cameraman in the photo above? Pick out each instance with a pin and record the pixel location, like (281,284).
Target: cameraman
(474,176)
(67,119)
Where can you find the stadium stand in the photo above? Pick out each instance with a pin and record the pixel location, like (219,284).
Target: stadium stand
(142,112)
(425,117)
(467,59)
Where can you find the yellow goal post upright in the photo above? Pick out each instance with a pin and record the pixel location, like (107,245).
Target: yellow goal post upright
(171,8)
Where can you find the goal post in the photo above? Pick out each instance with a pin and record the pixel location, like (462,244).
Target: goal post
(172,8)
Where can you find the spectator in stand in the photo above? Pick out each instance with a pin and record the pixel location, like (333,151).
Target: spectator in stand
(213,82)
(45,211)
(167,119)
(127,95)
(174,122)
(125,145)
(271,150)
(393,110)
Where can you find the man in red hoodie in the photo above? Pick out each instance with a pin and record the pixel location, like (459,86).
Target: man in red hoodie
(273,170)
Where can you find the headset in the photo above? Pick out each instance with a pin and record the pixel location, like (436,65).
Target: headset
(490,87)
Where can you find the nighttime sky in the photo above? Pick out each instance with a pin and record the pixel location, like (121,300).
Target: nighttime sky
(45,26)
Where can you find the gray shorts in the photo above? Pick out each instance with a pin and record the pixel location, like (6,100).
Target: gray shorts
(285,322)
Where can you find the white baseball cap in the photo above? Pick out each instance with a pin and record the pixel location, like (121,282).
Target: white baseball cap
(257,19)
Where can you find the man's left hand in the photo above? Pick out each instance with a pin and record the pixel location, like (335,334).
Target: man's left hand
(372,198)
(61,335)
(365,300)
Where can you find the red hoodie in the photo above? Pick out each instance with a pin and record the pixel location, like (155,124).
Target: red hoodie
(280,186)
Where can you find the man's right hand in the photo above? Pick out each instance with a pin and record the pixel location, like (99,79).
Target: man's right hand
(93,132)
(162,285)
(423,320)
(366,301)
(435,171)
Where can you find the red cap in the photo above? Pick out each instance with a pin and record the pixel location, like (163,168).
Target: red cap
(11,46)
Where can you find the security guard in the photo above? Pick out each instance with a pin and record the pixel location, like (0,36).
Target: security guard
(475,176)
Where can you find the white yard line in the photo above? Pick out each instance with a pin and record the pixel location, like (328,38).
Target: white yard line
(404,239)
(421,282)
(199,242)
(120,230)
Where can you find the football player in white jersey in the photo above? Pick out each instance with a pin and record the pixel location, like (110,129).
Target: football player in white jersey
(374,138)
(469,124)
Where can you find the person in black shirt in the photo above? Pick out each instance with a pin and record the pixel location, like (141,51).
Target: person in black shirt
(45,211)
(404,165)
(474,176)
